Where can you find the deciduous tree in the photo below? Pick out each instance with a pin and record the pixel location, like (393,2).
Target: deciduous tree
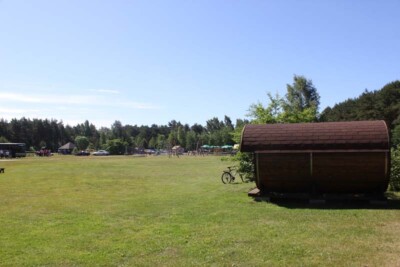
(81,142)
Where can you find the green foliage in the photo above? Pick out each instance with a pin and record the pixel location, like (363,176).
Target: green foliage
(191,141)
(116,147)
(306,115)
(181,136)
(140,141)
(52,134)
(3,139)
(246,164)
(153,142)
(161,141)
(269,114)
(214,125)
(237,134)
(42,144)
(300,105)
(394,184)
(301,95)
(81,142)
(172,139)
(280,111)
(383,104)
(396,136)
(218,132)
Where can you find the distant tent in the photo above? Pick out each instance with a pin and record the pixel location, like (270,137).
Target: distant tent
(67,148)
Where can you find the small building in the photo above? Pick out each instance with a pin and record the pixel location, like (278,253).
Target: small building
(329,157)
(67,148)
(12,150)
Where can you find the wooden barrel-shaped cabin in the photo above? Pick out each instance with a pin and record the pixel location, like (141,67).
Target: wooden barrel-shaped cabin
(327,157)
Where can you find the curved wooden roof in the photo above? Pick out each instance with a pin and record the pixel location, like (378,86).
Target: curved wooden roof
(352,135)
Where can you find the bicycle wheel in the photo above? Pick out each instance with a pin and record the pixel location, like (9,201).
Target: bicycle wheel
(226,177)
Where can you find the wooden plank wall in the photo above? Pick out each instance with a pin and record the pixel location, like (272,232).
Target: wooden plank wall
(284,172)
(356,172)
(350,172)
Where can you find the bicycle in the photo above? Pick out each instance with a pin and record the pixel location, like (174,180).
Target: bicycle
(229,176)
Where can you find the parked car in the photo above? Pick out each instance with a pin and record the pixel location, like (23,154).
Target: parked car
(83,153)
(101,153)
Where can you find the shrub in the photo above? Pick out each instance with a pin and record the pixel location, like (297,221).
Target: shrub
(394,184)
(116,146)
(246,164)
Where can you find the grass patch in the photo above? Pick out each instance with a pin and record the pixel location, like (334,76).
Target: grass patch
(124,211)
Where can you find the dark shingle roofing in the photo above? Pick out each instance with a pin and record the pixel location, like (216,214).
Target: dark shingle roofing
(353,135)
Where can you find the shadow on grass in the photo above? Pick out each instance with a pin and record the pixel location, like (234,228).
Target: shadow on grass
(390,201)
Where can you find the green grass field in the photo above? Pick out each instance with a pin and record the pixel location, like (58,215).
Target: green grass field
(160,211)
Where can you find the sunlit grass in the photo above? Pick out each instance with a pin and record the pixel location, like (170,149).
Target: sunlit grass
(124,211)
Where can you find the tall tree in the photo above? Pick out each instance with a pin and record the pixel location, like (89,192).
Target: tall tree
(153,142)
(197,128)
(117,129)
(270,114)
(190,140)
(116,147)
(299,105)
(81,142)
(228,123)
(161,141)
(172,139)
(214,125)
(301,95)
(383,104)
(181,136)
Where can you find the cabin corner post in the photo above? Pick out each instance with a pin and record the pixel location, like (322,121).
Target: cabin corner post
(387,164)
(256,169)
(313,181)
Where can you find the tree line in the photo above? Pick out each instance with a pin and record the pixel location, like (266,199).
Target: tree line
(299,104)
(52,134)
(382,104)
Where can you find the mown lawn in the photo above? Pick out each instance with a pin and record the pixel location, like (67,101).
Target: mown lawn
(160,211)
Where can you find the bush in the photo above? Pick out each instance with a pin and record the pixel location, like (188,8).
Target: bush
(394,184)
(81,142)
(246,164)
(116,146)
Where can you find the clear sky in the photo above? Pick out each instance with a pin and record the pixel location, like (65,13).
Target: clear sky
(145,62)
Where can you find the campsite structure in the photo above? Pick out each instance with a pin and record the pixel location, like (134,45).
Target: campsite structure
(67,148)
(330,157)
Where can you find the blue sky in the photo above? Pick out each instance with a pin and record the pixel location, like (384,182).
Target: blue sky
(145,62)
